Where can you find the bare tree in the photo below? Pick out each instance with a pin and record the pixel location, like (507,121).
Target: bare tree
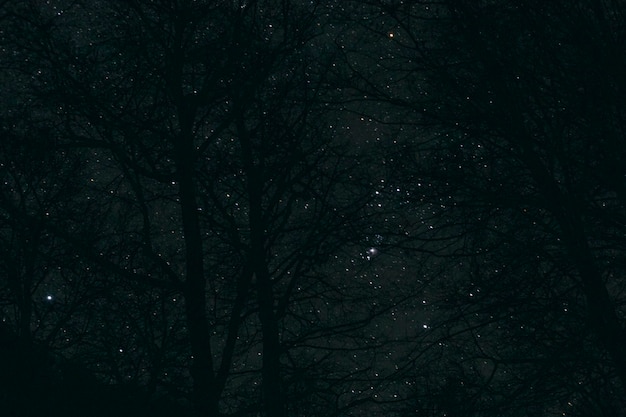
(218,203)
(520,109)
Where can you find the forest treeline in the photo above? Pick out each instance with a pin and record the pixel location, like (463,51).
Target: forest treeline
(313,208)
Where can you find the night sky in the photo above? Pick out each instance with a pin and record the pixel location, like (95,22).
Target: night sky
(312,208)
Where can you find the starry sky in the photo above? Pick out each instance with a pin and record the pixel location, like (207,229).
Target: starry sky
(306,208)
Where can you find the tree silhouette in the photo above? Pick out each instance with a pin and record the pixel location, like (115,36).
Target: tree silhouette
(520,114)
(217,200)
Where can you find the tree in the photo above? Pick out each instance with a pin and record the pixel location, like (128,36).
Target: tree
(221,200)
(521,114)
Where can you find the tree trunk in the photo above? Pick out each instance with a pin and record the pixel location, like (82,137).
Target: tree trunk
(273,400)
(205,397)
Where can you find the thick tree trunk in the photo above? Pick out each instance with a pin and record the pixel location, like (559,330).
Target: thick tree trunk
(205,396)
(272,387)
(601,308)
(602,314)
(273,399)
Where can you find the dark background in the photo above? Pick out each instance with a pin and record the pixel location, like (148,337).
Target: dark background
(312,208)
